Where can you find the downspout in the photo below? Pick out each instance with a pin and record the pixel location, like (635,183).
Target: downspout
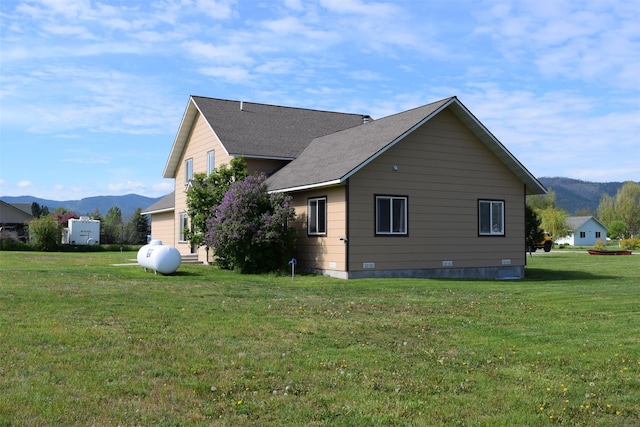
(346,227)
(525,225)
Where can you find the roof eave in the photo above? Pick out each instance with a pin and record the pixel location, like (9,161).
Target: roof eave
(308,186)
(157,211)
(532,184)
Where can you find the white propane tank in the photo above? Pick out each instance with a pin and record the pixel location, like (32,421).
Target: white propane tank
(159,258)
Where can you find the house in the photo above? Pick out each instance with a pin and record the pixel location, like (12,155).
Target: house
(428,192)
(583,231)
(14,218)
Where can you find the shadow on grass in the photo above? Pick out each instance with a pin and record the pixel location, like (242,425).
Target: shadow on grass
(542,274)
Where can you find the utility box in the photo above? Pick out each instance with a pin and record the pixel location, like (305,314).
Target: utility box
(83,231)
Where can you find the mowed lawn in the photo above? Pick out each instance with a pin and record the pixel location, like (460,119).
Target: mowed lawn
(83,342)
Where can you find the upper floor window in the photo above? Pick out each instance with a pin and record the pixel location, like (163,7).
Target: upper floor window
(491,217)
(211,161)
(391,215)
(188,170)
(317,214)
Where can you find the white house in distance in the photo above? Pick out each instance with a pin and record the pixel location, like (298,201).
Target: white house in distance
(584,231)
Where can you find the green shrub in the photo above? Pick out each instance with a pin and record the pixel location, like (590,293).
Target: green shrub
(45,233)
(632,243)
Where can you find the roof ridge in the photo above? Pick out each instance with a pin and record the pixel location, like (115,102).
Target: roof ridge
(279,106)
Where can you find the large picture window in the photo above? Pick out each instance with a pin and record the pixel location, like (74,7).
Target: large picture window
(317,214)
(391,215)
(491,217)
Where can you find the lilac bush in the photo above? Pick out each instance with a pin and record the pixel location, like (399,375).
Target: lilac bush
(249,230)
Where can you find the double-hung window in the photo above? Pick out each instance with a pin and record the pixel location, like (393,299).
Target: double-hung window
(317,214)
(391,215)
(491,217)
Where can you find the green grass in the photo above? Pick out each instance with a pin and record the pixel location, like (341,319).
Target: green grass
(83,342)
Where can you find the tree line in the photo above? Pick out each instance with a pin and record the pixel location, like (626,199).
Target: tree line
(45,230)
(620,214)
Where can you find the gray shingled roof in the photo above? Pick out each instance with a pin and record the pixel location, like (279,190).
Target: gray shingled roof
(575,222)
(166,204)
(333,158)
(258,130)
(330,159)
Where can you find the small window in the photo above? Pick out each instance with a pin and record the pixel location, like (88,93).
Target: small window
(183,223)
(317,213)
(211,162)
(598,235)
(188,170)
(391,215)
(583,234)
(491,217)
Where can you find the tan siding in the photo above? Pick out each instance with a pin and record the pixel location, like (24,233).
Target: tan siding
(321,252)
(200,142)
(162,228)
(444,170)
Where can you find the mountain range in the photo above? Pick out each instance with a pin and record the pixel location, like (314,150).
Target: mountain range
(572,195)
(576,196)
(127,203)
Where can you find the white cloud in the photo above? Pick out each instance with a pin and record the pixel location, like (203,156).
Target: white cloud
(24,184)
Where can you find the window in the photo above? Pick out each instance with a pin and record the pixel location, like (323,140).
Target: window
(598,235)
(211,161)
(317,213)
(491,217)
(182,226)
(188,171)
(391,215)
(583,234)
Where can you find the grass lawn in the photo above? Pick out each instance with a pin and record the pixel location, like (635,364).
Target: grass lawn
(83,342)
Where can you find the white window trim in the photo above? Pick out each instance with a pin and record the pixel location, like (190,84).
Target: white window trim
(405,220)
(317,217)
(188,171)
(211,161)
(183,222)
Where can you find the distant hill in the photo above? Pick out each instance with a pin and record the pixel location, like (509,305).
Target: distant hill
(574,195)
(127,204)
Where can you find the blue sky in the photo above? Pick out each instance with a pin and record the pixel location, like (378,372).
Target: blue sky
(92,92)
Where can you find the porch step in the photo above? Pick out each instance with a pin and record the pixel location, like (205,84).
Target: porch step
(189,259)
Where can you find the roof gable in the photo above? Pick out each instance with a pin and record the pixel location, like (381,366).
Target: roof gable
(575,223)
(249,129)
(344,153)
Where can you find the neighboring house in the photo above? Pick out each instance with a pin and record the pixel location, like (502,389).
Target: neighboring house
(583,231)
(428,192)
(14,217)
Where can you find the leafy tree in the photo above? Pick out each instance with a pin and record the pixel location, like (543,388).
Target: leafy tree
(206,192)
(63,216)
(112,228)
(249,230)
(542,201)
(625,207)
(45,233)
(36,210)
(554,221)
(533,233)
(617,230)
(137,229)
